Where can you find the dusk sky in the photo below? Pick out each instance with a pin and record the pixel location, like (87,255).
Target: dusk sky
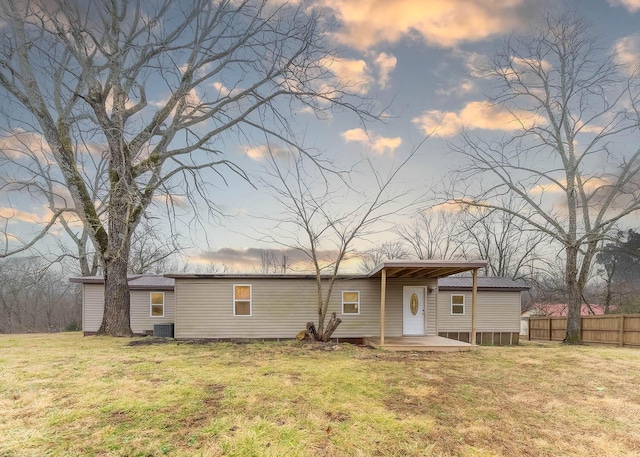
(417,58)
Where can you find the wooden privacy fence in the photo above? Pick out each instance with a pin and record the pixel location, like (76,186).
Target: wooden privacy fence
(620,329)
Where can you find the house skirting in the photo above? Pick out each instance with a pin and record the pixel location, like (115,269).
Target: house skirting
(486,338)
(95,333)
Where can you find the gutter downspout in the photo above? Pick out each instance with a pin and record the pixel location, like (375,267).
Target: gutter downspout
(474,298)
(383,296)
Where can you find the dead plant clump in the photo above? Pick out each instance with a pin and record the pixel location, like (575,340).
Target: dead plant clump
(66,395)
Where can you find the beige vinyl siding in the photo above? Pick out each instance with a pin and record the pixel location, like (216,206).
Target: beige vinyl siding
(496,311)
(92,306)
(282,307)
(141,320)
(393,314)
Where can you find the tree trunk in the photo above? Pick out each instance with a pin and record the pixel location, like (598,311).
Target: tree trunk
(116,319)
(574,301)
(332,325)
(311,331)
(608,295)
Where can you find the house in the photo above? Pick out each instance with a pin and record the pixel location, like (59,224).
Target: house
(396,300)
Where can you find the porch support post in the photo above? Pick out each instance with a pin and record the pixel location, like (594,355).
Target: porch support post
(474,298)
(383,297)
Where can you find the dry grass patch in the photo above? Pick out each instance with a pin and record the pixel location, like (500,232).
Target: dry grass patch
(68,395)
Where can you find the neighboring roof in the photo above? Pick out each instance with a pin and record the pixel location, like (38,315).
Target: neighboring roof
(484,283)
(561,309)
(136,282)
(425,268)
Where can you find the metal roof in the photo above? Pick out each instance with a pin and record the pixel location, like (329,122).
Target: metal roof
(395,269)
(259,276)
(146,282)
(425,268)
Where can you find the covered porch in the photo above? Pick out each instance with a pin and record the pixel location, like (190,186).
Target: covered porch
(422,340)
(419,343)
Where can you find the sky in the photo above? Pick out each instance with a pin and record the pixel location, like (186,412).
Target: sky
(414,57)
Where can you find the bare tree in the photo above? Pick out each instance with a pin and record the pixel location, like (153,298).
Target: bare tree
(619,262)
(151,250)
(322,215)
(35,297)
(569,100)
(155,89)
(391,250)
(498,237)
(274,261)
(434,234)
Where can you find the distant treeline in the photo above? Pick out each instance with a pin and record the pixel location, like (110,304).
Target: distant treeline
(37,297)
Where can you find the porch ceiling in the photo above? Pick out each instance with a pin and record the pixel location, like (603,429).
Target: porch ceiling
(425,268)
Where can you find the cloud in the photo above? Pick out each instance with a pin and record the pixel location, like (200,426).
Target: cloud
(446,23)
(350,73)
(108,103)
(193,103)
(462,87)
(252,259)
(263,151)
(385,63)
(525,72)
(20,144)
(475,115)
(628,51)
(262,260)
(172,200)
(305,110)
(357,75)
(452,207)
(439,123)
(379,144)
(631,5)
(222,90)
(257,152)
(475,63)
(9,236)
(26,216)
(590,185)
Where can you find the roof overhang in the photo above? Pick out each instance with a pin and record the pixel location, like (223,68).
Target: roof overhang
(248,276)
(87,280)
(485,288)
(425,268)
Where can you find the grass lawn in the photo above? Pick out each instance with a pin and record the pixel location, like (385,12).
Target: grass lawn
(66,395)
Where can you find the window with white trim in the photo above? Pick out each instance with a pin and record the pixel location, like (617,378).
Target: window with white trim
(350,302)
(242,299)
(156,300)
(457,304)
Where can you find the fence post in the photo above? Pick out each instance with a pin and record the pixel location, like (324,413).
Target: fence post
(550,327)
(622,330)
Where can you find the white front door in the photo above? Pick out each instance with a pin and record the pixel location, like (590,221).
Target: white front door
(413,311)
